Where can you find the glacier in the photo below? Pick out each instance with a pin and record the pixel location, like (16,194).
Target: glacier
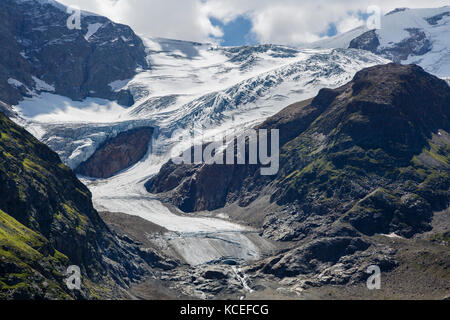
(191,87)
(396,27)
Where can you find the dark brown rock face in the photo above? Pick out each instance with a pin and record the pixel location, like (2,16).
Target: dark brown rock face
(117,154)
(6,109)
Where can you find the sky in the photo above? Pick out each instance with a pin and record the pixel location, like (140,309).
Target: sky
(240,22)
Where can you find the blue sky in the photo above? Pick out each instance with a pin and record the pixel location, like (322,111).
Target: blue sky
(237,32)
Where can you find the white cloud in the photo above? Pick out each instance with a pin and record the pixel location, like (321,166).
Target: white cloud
(185,19)
(274,21)
(349,23)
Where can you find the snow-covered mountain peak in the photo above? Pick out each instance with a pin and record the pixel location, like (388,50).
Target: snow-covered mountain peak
(418,36)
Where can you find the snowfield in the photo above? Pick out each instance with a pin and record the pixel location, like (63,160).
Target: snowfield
(52,108)
(191,87)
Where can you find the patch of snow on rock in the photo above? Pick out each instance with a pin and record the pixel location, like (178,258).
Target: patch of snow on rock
(42,85)
(92,29)
(15,83)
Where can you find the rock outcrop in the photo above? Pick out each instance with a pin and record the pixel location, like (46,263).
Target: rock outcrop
(117,154)
(39,53)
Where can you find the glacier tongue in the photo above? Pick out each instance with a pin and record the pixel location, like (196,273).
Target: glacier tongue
(191,86)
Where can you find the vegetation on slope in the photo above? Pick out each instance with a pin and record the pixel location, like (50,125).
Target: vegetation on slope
(373,153)
(48,222)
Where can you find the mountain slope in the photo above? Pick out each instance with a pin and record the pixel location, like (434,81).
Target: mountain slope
(360,165)
(373,153)
(39,53)
(209,89)
(27,258)
(47,222)
(409,36)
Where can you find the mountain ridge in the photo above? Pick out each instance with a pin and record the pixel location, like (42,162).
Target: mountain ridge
(41,54)
(362,160)
(48,222)
(391,144)
(409,36)
(357,166)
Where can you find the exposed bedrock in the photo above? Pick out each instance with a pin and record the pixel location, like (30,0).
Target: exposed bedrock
(117,154)
(38,53)
(416,44)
